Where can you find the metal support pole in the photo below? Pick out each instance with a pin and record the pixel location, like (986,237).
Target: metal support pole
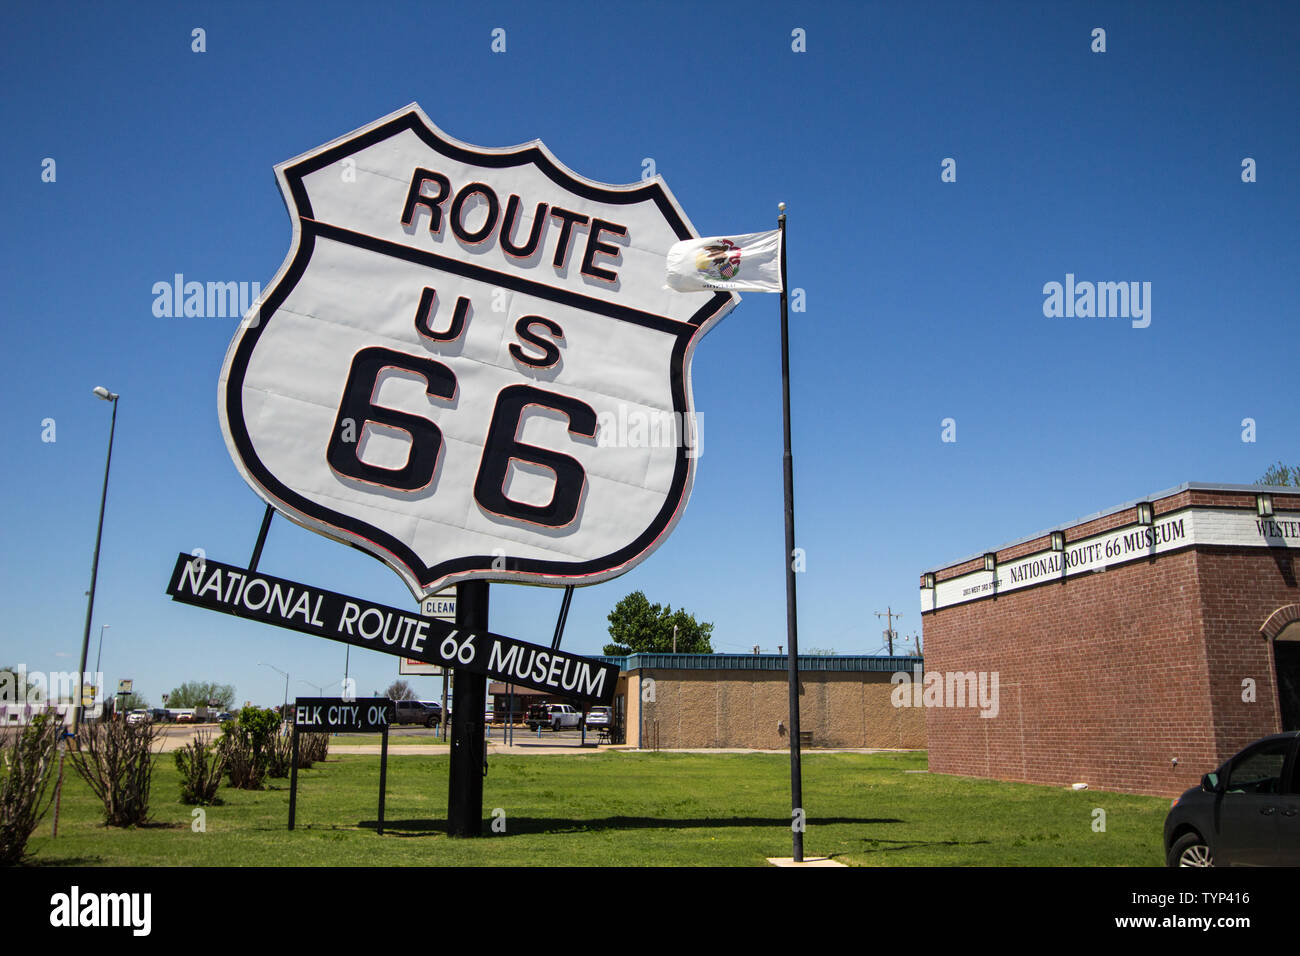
(293,778)
(465,781)
(791,615)
(564,616)
(442,721)
(261,538)
(94,575)
(383,777)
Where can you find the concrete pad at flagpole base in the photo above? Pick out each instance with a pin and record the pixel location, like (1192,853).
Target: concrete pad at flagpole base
(807,861)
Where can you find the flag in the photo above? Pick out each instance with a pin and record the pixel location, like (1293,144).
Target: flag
(750,263)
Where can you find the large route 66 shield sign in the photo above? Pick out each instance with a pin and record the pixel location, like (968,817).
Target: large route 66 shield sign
(469,364)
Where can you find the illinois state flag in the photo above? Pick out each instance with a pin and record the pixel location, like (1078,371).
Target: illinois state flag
(750,263)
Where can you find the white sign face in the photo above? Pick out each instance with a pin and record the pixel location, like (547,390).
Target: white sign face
(469,364)
(124,686)
(440,606)
(1173,531)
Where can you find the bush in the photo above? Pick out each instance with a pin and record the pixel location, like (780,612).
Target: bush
(246,771)
(116,760)
(245,744)
(24,784)
(312,748)
(279,754)
(202,764)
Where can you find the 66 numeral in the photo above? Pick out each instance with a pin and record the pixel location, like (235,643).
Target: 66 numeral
(502,445)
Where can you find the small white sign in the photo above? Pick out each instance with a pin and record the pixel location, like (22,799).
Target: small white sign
(124,686)
(439,606)
(443,607)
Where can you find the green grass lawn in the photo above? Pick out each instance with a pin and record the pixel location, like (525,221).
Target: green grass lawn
(623,809)
(405,740)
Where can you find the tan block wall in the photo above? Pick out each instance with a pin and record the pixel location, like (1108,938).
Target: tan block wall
(701,709)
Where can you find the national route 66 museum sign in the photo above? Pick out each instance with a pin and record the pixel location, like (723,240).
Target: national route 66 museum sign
(442,371)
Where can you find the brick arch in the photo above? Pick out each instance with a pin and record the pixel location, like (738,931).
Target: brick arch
(1279,619)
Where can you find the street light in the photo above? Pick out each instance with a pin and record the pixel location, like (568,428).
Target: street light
(100,392)
(285,708)
(100,653)
(99,680)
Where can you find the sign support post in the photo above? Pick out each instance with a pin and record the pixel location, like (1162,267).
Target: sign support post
(465,780)
(791,616)
(383,777)
(293,777)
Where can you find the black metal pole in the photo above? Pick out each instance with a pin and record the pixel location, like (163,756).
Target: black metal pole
(94,574)
(293,778)
(564,616)
(261,538)
(791,616)
(383,777)
(465,780)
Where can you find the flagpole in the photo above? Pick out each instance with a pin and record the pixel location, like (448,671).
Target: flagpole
(791,618)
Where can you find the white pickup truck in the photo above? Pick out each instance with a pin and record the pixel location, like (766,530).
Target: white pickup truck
(555,716)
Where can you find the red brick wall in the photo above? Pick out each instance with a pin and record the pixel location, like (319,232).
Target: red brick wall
(1105,678)
(1239,590)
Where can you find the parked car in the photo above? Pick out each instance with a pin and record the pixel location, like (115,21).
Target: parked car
(555,716)
(1245,813)
(140,716)
(599,717)
(417,712)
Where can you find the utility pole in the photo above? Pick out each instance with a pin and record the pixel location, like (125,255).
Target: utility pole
(889,616)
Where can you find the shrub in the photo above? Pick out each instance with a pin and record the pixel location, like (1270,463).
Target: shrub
(312,748)
(116,760)
(279,754)
(202,763)
(24,784)
(246,771)
(245,743)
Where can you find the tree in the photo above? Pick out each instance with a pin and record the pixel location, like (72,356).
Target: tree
(399,690)
(1280,474)
(198,693)
(639,627)
(129,702)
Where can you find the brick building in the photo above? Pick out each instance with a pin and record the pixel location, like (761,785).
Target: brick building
(1132,650)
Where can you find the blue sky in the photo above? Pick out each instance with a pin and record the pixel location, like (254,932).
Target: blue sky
(924,298)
